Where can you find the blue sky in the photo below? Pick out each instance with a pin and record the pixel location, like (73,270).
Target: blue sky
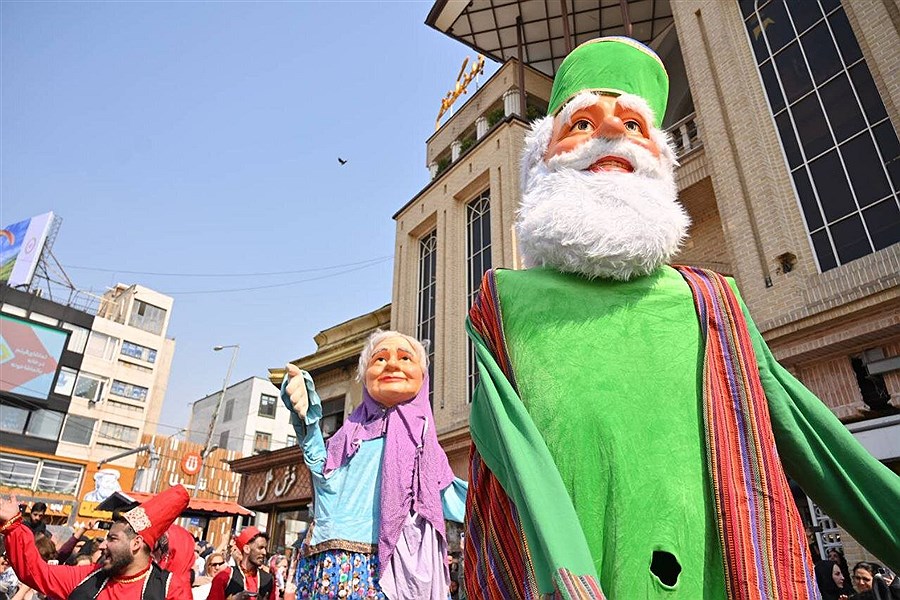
(202,138)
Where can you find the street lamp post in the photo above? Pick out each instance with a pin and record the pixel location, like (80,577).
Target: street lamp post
(208,447)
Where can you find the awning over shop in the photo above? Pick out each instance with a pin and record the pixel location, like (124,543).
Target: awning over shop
(200,507)
(549,30)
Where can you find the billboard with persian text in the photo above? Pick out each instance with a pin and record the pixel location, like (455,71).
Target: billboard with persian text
(29,356)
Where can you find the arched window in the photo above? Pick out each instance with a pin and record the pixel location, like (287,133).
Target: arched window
(425,325)
(840,146)
(478,260)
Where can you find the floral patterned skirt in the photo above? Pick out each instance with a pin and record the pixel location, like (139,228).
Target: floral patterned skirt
(338,574)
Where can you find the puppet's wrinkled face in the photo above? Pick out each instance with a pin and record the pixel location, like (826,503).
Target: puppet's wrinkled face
(599,195)
(605,118)
(394,373)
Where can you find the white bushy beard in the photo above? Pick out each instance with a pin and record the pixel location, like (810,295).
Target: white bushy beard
(608,224)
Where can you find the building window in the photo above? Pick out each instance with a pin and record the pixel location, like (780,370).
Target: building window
(425,327)
(840,147)
(13,419)
(119,432)
(291,441)
(37,475)
(44,424)
(147,317)
(78,339)
(478,260)
(262,441)
(78,430)
(139,352)
(229,410)
(90,387)
(223,440)
(267,405)
(101,345)
(17,471)
(59,478)
(332,416)
(65,382)
(128,390)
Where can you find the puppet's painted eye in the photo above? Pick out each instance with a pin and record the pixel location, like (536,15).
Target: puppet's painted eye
(633,126)
(583,125)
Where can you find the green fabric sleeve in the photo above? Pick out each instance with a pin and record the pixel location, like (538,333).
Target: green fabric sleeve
(513,449)
(818,452)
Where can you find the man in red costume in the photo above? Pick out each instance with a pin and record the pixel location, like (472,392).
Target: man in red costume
(246,580)
(125,570)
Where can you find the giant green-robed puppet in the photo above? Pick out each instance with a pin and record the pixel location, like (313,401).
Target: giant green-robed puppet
(631,429)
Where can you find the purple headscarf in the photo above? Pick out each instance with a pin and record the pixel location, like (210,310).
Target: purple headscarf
(414,467)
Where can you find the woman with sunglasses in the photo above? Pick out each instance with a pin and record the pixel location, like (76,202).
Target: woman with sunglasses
(214,563)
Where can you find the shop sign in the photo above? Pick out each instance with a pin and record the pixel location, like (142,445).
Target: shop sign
(190,463)
(280,485)
(89,510)
(276,484)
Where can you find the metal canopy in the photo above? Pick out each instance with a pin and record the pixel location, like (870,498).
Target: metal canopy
(489,26)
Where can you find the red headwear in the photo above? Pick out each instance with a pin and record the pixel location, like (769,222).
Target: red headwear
(246,535)
(152,518)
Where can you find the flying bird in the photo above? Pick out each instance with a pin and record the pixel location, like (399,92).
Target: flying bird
(342,161)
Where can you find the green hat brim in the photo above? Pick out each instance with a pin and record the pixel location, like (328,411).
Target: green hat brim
(615,65)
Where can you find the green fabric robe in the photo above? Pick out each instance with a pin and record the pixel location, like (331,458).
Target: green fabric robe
(602,448)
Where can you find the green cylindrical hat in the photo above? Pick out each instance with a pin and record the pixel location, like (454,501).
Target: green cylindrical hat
(618,65)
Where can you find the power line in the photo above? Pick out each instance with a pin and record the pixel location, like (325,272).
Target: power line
(275,285)
(264,274)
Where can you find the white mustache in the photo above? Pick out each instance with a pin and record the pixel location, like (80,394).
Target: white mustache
(582,157)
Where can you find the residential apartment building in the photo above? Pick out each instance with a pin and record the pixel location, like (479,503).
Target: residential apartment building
(784,115)
(249,418)
(107,391)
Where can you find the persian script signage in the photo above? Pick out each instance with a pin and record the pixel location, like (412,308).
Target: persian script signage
(276,485)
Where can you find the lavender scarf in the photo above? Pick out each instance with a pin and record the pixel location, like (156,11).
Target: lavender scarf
(414,467)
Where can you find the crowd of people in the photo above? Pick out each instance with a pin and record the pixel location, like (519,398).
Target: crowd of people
(866,581)
(243,564)
(208,572)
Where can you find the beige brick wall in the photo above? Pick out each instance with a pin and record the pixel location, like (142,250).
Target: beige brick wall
(493,164)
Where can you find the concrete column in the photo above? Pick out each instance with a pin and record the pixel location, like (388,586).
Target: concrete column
(432,170)
(455,150)
(511,103)
(481,127)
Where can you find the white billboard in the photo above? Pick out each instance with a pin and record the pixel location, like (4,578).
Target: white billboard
(21,245)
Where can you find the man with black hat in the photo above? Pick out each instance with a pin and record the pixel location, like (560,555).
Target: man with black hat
(125,570)
(246,580)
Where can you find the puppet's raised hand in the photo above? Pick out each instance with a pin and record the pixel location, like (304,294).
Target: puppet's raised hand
(296,390)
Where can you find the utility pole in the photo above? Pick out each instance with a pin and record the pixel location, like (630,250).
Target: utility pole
(208,446)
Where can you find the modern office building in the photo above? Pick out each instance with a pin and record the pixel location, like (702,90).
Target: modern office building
(98,385)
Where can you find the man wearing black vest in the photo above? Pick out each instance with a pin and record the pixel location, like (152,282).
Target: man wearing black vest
(246,580)
(125,570)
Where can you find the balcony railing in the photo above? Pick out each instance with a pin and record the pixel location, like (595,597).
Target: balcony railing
(685,136)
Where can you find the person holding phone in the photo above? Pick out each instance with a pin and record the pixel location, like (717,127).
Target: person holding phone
(246,580)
